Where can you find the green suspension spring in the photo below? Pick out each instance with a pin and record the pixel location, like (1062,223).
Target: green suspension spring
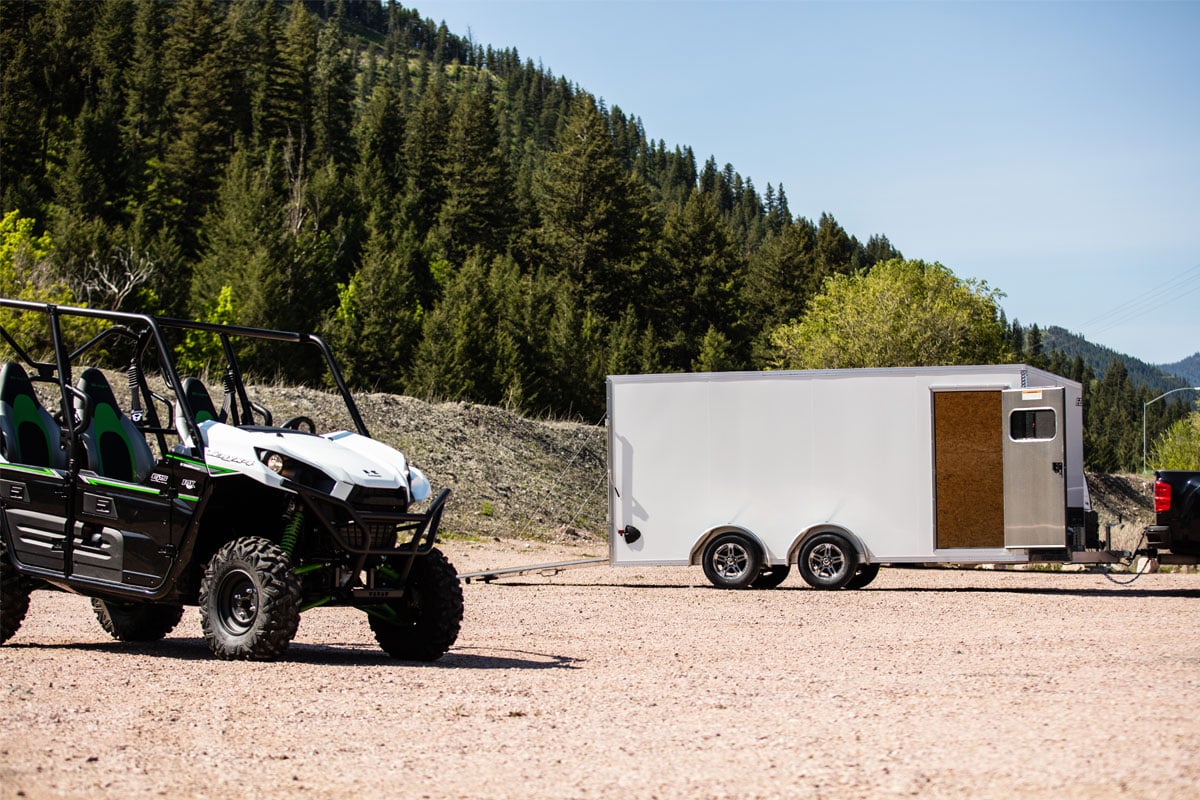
(291,531)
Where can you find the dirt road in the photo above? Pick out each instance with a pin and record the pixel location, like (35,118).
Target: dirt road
(638,683)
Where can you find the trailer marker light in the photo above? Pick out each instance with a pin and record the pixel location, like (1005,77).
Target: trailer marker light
(630,533)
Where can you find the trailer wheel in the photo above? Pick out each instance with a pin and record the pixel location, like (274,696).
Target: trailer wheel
(866,573)
(771,577)
(732,561)
(828,561)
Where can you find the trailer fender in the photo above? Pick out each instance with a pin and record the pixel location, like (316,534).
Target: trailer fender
(698,548)
(864,555)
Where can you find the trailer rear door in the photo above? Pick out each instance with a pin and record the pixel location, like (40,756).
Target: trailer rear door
(1035,493)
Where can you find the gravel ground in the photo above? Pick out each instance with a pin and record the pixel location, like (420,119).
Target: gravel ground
(637,683)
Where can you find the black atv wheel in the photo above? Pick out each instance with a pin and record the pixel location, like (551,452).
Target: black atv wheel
(137,622)
(422,625)
(249,600)
(14,597)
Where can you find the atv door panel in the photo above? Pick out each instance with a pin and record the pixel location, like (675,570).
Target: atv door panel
(34,500)
(126,532)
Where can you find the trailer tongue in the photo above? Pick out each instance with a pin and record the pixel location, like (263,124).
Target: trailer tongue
(553,568)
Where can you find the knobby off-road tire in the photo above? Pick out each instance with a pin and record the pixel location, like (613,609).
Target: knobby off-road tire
(137,622)
(249,600)
(14,597)
(424,624)
(732,561)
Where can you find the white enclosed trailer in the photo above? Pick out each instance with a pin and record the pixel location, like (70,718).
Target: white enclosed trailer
(842,471)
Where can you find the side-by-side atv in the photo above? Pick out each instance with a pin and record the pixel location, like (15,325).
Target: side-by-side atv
(167,499)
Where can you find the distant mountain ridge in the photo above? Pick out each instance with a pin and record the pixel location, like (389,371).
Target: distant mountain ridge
(1098,357)
(1188,369)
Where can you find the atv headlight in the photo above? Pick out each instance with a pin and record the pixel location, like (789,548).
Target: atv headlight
(296,471)
(276,462)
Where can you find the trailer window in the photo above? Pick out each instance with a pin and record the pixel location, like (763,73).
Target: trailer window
(1035,423)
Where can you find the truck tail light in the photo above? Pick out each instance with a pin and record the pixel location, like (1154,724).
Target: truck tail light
(1162,497)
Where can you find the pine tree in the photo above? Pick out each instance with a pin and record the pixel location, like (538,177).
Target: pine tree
(778,284)
(476,211)
(377,326)
(592,213)
(145,120)
(457,354)
(696,292)
(835,250)
(424,158)
(380,163)
(1034,349)
(333,96)
(199,100)
(295,78)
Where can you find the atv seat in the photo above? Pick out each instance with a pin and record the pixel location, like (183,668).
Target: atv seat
(195,404)
(114,446)
(199,403)
(28,434)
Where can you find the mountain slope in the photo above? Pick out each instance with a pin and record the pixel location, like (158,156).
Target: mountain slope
(1099,357)
(1188,369)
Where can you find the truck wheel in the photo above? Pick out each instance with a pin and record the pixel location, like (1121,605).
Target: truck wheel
(828,561)
(14,597)
(866,573)
(732,561)
(249,600)
(422,625)
(771,577)
(137,622)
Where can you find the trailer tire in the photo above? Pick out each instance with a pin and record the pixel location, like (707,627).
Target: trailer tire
(732,561)
(866,573)
(828,561)
(771,577)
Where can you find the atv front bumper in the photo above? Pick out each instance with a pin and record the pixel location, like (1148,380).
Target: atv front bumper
(378,528)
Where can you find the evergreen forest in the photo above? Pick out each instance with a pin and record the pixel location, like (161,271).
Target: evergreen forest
(457,221)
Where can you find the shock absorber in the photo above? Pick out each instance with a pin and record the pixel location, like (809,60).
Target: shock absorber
(291,531)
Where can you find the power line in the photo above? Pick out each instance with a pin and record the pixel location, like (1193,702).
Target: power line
(1174,289)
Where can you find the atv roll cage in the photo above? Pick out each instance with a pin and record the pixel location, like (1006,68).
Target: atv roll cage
(144,330)
(361,525)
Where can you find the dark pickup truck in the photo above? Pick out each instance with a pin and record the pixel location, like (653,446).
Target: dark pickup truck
(1176,526)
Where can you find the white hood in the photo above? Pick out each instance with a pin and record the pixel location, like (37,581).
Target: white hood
(348,458)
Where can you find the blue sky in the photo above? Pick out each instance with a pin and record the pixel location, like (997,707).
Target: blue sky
(1051,149)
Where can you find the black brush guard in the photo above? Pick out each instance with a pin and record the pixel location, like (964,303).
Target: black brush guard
(364,532)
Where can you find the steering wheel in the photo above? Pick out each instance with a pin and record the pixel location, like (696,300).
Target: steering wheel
(295,424)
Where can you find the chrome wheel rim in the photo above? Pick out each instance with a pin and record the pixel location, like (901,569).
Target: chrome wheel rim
(826,561)
(730,561)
